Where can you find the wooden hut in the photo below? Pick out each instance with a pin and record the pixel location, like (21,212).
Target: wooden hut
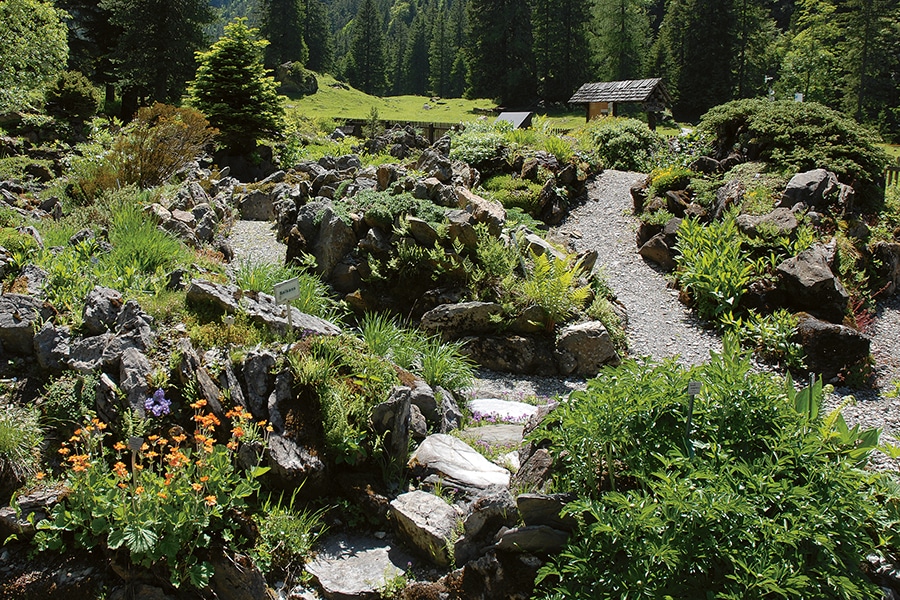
(602,98)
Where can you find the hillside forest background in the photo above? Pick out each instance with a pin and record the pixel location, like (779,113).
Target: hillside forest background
(842,53)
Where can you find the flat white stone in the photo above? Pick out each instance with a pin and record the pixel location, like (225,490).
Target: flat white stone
(457,462)
(349,566)
(504,410)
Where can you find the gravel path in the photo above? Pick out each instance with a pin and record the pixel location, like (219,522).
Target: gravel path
(659,325)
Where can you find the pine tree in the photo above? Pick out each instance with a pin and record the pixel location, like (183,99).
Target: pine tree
(500,55)
(621,38)
(366,61)
(234,91)
(440,52)
(415,58)
(755,38)
(560,46)
(283,25)
(155,50)
(317,34)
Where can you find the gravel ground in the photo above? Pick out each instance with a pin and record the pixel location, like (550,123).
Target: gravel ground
(658,324)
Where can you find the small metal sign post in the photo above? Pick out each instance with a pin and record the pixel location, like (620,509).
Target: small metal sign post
(284,292)
(693,390)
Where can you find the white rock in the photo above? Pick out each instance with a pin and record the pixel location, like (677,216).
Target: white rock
(457,463)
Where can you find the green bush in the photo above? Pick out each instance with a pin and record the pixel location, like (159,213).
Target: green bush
(624,144)
(797,136)
(672,177)
(72,95)
(383,208)
(513,191)
(553,285)
(15,241)
(763,498)
(67,399)
(479,141)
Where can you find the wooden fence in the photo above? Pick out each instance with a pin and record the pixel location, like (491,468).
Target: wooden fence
(892,175)
(431,131)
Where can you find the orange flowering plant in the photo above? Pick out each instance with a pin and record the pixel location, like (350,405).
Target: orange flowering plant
(160,498)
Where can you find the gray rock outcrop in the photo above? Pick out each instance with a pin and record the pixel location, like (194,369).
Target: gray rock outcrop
(426,522)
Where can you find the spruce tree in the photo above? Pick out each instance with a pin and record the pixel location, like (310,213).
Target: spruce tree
(366,62)
(500,54)
(283,25)
(317,34)
(415,59)
(234,90)
(560,46)
(440,52)
(621,38)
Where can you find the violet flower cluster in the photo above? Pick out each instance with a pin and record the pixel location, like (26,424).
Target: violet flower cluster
(157,404)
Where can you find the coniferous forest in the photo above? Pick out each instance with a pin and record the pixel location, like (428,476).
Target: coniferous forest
(844,54)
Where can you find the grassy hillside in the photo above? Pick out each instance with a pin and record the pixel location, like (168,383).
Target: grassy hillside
(336,100)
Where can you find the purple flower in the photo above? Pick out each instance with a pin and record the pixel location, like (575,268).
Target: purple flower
(157,404)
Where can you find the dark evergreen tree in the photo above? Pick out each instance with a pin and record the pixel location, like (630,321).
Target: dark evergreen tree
(92,39)
(317,34)
(500,52)
(697,54)
(754,48)
(154,53)
(440,52)
(366,61)
(561,50)
(282,24)
(621,38)
(415,58)
(234,90)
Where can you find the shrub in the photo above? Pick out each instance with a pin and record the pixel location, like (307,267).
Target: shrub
(763,498)
(479,141)
(771,336)
(160,141)
(67,399)
(625,144)
(286,534)
(559,147)
(174,498)
(513,191)
(384,208)
(15,241)
(20,441)
(72,95)
(673,177)
(553,286)
(796,136)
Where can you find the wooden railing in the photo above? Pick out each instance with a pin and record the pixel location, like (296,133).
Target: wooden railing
(892,175)
(431,131)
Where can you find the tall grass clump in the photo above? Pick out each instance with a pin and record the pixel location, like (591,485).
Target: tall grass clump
(746,491)
(20,441)
(314,297)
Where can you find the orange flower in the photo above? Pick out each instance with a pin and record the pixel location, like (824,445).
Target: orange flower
(75,439)
(100,425)
(78,431)
(179,438)
(162,441)
(144,447)
(269,428)
(162,495)
(139,490)
(198,404)
(168,478)
(120,470)
(119,446)
(204,479)
(210,500)
(152,438)
(122,485)
(197,487)
(40,475)
(232,445)
(237,432)
(64,451)
(152,454)
(80,462)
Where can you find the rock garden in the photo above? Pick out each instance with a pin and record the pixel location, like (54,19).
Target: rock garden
(169,429)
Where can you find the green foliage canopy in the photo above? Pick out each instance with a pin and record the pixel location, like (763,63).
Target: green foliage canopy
(234,91)
(33,48)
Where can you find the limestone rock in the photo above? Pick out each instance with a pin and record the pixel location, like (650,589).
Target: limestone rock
(546,509)
(51,347)
(457,463)
(589,345)
(779,222)
(502,410)
(817,188)
(535,472)
(392,417)
(483,211)
(293,465)
(236,577)
(513,354)
(19,317)
(101,308)
(887,255)
(257,205)
(353,567)
(426,523)
(533,539)
(455,320)
(133,374)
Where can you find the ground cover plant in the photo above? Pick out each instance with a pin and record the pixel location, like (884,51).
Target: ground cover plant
(746,490)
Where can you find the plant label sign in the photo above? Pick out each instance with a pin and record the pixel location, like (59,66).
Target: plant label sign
(287,290)
(694,388)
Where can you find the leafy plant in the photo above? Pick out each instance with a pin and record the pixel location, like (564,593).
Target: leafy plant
(20,441)
(553,286)
(771,336)
(559,147)
(169,502)
(513,192)
(479,141)
(314,297)
(672,177)
(760,498)
(287,534)
(67,399)
(713,270)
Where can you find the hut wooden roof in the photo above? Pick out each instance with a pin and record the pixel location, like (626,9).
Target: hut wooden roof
(631,90)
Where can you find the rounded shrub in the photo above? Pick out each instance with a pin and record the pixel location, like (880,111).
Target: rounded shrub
(796,136)
(72,95)
(624,144)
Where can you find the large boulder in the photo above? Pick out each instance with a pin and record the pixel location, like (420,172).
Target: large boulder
(426,522)
(353,567)
(811,286)
(831,349)
(101,308)
(20,317)
(886,256)
(779,222)
(482,210)
(584,349)
(457,463)
(456,320)
(334,240)
(523,354)
(817,188)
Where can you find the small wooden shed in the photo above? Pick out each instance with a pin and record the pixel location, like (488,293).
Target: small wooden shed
(602,98)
